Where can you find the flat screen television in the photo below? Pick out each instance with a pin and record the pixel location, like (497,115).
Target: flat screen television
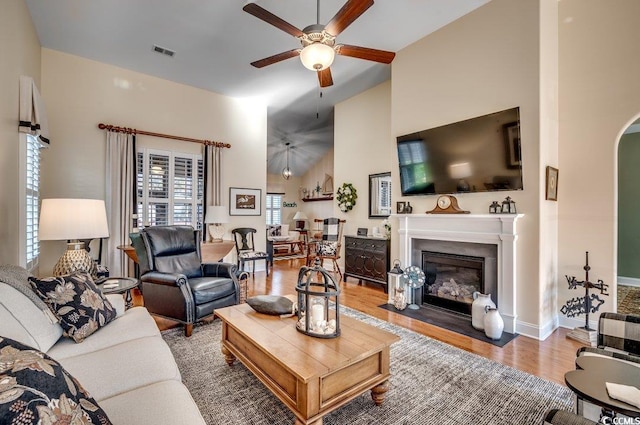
(480,154)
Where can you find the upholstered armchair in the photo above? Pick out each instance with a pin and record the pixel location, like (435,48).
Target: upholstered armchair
(175,283)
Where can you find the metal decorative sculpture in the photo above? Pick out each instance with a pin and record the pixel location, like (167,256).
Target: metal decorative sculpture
(588,303)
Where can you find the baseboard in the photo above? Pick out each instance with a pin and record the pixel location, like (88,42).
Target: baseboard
(578,322)
(629,281)
(537,332)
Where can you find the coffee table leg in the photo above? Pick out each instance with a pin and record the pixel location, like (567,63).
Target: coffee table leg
(378,392)
(228,357)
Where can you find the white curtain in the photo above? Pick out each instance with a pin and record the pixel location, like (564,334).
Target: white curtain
(32,114)
(121,171)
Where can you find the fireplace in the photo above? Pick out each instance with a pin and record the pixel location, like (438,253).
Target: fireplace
(451,280)
(490,236)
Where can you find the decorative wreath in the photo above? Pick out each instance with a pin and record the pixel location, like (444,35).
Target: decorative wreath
(414,276)
(346,196)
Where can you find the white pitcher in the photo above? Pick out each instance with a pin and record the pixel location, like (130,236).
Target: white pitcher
(480,301)
(493,323)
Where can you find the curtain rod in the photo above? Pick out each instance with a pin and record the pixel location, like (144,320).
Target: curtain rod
(128,130)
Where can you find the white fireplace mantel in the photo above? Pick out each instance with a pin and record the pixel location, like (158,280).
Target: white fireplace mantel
(498,229)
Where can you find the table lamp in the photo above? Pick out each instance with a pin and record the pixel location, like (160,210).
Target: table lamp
(216,217)
(300,218)
(72,220)
(461,172)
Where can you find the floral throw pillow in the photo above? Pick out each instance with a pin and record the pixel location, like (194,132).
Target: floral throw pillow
(35,389)
(77,302)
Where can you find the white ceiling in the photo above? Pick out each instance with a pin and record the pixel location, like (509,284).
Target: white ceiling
(215,41)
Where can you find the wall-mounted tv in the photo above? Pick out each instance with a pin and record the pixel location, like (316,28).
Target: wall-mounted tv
(480,154)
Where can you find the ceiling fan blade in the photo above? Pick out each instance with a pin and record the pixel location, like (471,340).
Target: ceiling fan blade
(324,77)
(276,58)
(375,55)
(351,10)
(272,19)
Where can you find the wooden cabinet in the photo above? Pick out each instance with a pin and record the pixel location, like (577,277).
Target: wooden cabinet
(366,258)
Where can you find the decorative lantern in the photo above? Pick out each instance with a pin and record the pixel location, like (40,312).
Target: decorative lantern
(318,304)
(396,287)
(494,208)
(508,206)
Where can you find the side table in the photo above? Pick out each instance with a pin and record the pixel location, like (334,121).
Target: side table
(124,285)
(588,382)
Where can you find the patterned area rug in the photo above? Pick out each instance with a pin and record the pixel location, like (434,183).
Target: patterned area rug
(431,383)
(629,300)
(289,257)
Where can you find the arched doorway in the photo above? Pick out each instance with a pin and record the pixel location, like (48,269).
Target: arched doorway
(628,288)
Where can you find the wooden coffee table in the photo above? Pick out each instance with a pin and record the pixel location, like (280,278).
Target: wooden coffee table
(311,376)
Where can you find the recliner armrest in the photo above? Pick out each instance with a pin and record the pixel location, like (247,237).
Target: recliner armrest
(219,269)
(169,279)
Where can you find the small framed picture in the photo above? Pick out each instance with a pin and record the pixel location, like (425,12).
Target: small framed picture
(362,231)
(400,207)
(245,201)
(551,192)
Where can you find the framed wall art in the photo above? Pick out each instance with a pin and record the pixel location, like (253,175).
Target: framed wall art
(400,207)
(551,192)
(244,201)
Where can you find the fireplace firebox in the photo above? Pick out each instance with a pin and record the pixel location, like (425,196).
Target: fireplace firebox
(451,280)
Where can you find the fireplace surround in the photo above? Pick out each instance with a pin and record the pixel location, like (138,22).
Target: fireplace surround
(462,234)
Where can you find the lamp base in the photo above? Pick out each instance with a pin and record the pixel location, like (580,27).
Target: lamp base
(300,224)
(216,232)
(75,259)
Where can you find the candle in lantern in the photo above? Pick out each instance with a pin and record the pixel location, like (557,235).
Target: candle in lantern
(317,312)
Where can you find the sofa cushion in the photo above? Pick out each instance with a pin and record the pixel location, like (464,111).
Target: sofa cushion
(22,320)
(77,302)
(35,389)
(123,367)
(135,323)
(167,402)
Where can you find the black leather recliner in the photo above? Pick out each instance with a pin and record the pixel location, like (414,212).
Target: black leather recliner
(175,283)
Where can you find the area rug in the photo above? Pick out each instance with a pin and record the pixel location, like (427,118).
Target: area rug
(459,323)
(629,300)
(431,383)
(295,256)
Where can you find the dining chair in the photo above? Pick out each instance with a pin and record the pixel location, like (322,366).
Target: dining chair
(330,244)
(245,249)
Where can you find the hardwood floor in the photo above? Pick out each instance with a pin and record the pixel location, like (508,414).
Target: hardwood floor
(548,359)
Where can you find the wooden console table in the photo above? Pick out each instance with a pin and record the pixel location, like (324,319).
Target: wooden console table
(366,258)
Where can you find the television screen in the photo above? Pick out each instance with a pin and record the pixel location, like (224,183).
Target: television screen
(476,155)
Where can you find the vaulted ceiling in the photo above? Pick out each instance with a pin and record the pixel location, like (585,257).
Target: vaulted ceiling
(215,41)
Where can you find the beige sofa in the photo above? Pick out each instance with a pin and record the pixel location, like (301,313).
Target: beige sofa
(126,366)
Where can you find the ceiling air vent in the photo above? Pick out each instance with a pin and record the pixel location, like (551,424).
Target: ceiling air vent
(164,51)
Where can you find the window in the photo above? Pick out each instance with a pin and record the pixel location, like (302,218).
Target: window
(170,188)
(32,201)
(274,209)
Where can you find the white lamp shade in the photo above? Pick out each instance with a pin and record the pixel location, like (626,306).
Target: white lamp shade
(317,56)
(62,219)
(300,216)
(461,170)
(216,214)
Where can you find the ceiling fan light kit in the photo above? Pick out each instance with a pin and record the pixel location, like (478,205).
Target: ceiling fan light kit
(317,56)
(318,41)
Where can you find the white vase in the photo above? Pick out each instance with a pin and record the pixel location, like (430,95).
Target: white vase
(480,301)
(493,323)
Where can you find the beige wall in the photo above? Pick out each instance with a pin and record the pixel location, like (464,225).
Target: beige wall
(599,97)
(313,177)
(486,61)
(81,93)
(363,146)
(20,56)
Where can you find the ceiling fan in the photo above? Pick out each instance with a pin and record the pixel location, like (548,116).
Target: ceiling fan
(319,41)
